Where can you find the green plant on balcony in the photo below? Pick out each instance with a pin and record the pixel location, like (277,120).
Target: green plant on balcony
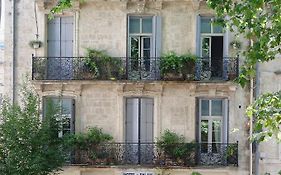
(231,152)
(174,148)
(188,66)
(177,67)
(91,146)
(104,66)
(170,66)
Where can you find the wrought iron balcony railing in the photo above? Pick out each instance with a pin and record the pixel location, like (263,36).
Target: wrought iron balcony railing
(127,68)
(212,68)
(155,154)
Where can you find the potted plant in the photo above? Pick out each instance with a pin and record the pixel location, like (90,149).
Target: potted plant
(35,44)
(177,67)
(175,149)
(188,66)
(170,66)
(103,66)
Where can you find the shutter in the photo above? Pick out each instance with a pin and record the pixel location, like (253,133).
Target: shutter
(131,123)
(225,130)
(66,47)
(146,120)
(157,42)
(53,44)
(72,124)
(197,120)
(198,49)
(53,38)
(157,33)
(198,34)
(66,36)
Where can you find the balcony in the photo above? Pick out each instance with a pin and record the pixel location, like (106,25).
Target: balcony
(157,155)
(126,68)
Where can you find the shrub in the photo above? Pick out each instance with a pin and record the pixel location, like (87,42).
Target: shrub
(174,146)
(103,65)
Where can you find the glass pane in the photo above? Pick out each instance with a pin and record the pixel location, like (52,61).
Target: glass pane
(205,25)
(205,47)
(204,130)
(216,131)
(134,25)
(204,136)
(217,28)
(146,43)
(216,107)
(147,25)
(205,108)
(216,135)
(66,106)
(135,47)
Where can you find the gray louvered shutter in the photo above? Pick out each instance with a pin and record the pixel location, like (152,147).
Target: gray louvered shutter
(198,49)
(53,45)
(66,46)
(157,43)
(72,124)
(197,120)
(131,123)
(146,120)
(53,38)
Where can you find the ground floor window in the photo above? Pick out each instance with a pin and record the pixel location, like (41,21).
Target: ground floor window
(212,124)
(64,109)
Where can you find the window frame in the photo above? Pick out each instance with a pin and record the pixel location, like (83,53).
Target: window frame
(210,119)
(61,115)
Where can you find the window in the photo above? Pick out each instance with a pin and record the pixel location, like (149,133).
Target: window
(211,48)
(212,124)
(64,108)
(144,44)
(60,48)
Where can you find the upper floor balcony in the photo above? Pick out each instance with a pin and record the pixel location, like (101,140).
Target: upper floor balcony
(139,69)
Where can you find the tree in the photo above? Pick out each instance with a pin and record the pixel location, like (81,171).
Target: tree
(29,145)
(267,112)
(260,22)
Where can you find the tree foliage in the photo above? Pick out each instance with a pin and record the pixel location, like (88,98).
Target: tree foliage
(29,145)
(61,6)
(259,21)
(267,112)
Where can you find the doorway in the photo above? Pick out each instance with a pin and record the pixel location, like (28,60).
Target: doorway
(139,130)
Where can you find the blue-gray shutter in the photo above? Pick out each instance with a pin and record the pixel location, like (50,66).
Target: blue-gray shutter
(53,38)
(72,124)
(67,47)
(198,49)
(157,43)
(146,120)
(131,123)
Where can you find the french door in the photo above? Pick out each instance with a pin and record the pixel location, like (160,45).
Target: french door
(139,130)
(212,130)
(60,48)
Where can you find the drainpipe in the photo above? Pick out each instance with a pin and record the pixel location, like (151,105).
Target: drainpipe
(13,52)
(251,125)
(257,89)
(251,118)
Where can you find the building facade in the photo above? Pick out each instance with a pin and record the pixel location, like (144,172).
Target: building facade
(136,102)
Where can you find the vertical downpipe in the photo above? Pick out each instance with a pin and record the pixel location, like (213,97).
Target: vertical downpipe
(14,53)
